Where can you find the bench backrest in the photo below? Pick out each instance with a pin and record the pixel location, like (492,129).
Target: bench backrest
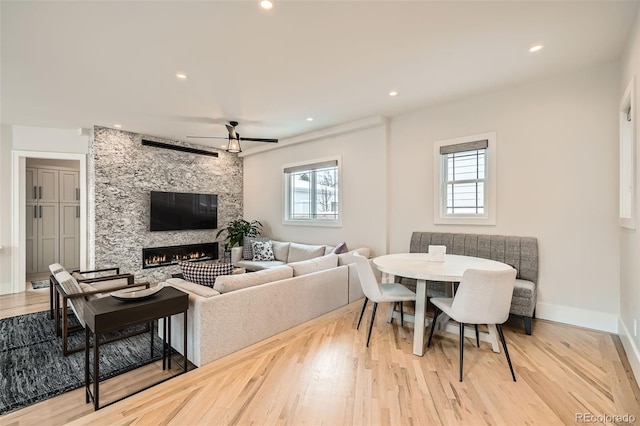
(519,252)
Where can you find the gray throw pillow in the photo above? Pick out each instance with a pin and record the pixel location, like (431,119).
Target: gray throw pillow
(247,251)
(340,248)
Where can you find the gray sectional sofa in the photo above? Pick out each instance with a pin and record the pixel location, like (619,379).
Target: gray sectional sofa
(519,252)
(283,251)
(243,309)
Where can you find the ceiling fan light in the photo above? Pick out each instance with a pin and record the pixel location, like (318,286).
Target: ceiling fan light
(266,4)
(234,146)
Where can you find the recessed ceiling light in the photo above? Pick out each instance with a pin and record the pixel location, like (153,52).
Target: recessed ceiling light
(266,4)
(117,126)
(535,48)
(393,93)
(309,118)
(181,76)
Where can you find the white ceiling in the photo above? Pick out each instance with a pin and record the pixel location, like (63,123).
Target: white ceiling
(79,64)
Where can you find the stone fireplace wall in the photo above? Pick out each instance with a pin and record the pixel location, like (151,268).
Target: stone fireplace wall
(123,172)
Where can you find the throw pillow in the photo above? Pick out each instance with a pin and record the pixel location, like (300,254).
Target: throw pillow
(204,273)
(262,251)
(247,251)
(340,248)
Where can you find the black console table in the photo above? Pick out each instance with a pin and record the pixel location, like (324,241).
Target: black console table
(107,314)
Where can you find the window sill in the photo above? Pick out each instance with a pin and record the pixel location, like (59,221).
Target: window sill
(321,224)
(479,221)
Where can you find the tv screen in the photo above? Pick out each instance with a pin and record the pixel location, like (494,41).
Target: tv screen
(172,211)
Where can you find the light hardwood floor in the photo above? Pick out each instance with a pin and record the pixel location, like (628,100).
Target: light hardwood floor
(322,373)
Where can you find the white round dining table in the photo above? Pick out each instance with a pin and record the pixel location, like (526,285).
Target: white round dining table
(419,266)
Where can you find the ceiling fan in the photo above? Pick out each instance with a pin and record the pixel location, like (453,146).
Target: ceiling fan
(234,138)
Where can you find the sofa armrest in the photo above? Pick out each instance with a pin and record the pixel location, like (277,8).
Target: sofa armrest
(236,254)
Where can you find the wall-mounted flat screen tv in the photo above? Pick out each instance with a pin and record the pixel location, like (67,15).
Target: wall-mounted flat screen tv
(172,211)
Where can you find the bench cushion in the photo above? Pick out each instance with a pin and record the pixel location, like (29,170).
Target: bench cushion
(519,252)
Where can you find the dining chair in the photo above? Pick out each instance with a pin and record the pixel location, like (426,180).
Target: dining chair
(379,292)
(483,297)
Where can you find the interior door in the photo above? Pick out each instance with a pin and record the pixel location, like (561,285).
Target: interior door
(70,235)
(69,186)
(31,189)
(48,227)
(32,237)
(48,185)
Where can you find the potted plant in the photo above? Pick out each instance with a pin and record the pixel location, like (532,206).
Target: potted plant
(236,231)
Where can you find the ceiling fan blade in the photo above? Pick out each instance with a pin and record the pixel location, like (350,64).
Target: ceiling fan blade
(207,137)
(259,140)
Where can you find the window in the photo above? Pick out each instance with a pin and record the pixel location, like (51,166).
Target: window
(465,180)
(312,193)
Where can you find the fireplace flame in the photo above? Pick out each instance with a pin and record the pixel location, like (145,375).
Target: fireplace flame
(155,259)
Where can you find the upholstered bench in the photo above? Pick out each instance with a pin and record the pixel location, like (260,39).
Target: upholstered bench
(519,252)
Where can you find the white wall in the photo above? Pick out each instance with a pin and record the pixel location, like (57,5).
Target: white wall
(363,185)
(5,208)
(557,165)
(38,141)
(630,239)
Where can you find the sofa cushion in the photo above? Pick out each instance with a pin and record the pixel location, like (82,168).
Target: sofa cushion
(314,265)
(262,251)
(251,265)
(298,252)
(347,258)
(247,250)
(194,288)
(204,273)
(227,283)
(340,248)
(280,250)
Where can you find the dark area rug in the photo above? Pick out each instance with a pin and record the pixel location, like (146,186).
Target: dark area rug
(40,284)
(32,367)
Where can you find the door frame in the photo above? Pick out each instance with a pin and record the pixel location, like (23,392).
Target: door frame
(18,211)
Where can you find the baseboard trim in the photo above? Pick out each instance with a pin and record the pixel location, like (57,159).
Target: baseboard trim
(633,354)
(596,320)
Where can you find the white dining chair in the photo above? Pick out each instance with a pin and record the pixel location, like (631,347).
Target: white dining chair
(483,297)
(379,292)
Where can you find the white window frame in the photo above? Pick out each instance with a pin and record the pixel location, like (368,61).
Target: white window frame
(628,158)
(440,215)
(286,194)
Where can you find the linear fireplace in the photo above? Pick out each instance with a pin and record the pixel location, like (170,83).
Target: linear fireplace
(154,257)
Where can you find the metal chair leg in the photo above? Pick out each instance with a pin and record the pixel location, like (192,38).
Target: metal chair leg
(433,325)
(461,347)
(477,335)
(373,318)
(506,351)
(362,313)
(401,315)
